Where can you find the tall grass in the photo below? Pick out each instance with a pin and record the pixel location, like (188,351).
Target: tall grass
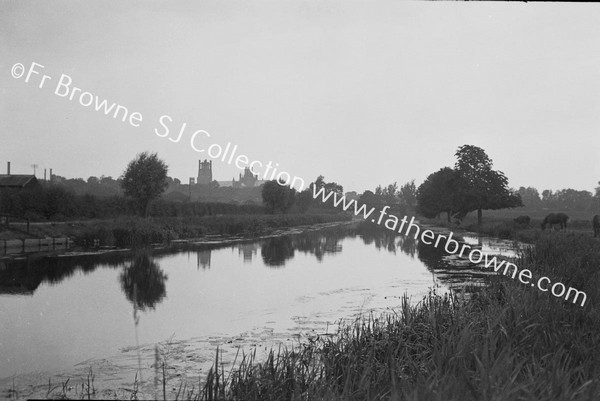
(133,231)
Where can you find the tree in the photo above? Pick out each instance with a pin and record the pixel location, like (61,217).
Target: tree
(595,207)
(332,187)
(390,194)
(480,187)
(277,196)
(144,179)
(437,193)
(408,195)
(304,199)
(371,200)
(530,197)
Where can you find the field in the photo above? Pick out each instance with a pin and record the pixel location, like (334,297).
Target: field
(500,224)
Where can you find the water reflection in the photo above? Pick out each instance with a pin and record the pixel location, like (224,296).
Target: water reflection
(143,282)
(386,239)
(321,243)
(358,266)
(23,275)
(203,259)
(248,251)
(431,256)
(275,251)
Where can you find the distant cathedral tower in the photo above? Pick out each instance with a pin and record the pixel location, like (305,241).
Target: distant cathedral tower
(204,172)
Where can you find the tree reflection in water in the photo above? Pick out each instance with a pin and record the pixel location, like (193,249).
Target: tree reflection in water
(432,256)
(385,239)
(275,251)
(320,243)
(143,282)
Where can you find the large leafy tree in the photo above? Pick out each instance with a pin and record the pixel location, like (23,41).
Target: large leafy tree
(278,197)
(437,193)
(144,179)
(329,187)
(479,186)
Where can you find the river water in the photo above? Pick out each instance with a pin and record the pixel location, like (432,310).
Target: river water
(63,313)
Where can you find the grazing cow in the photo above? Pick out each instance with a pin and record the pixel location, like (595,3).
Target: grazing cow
(596,224)
(523,220)
(555,218)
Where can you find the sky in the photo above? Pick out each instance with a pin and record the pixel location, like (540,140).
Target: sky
(364,93)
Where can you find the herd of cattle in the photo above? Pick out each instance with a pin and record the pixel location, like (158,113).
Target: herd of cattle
(557,219)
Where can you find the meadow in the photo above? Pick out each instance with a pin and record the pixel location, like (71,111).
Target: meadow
(500,224)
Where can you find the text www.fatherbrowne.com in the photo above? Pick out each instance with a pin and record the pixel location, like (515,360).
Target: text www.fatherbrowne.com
(475,256)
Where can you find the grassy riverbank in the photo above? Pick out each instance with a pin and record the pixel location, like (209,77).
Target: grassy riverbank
(500,224)
(511,342)
(128,231)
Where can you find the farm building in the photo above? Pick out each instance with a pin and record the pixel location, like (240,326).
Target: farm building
(18,181)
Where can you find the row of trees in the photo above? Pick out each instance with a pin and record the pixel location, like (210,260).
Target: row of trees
(401,200)
(472,185)
(564,199)
(49,202)
(279,198)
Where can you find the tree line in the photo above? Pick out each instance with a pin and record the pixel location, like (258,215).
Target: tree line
(50,202)
(564,199)
(472,185)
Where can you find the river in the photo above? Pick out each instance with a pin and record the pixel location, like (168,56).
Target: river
(64,313)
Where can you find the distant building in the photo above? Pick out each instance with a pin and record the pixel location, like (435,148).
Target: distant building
(20,181)
(204,172)
(247,180)
(205,176)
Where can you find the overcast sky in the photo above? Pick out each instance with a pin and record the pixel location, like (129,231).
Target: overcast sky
(364,93)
